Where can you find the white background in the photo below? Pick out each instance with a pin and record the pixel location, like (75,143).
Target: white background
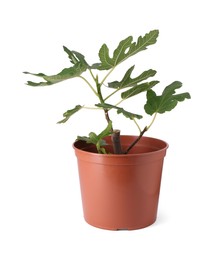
(40,204)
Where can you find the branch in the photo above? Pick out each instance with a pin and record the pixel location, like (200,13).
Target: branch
(136,140)
(107,75)
(89,85)
(146,128)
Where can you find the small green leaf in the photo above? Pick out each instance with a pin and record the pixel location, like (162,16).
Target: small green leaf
(97,140)
(107,131)
(127,81)
(138,89)
(69,113)
(120,110)
(165,102)
(93,138)
(84,138)
(126,48)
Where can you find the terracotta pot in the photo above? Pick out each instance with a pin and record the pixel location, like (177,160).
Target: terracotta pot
(121,191)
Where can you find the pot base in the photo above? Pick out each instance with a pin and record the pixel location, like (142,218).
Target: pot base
(119,228)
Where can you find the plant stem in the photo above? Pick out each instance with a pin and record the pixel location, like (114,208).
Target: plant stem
(93,108)
(146,128)
(136,140)
(111,94)
(137,125)
(98,86)
(89,85)
(119,102)
(115,133)
(153,119)
(92,74)
(107,75)
(116,142)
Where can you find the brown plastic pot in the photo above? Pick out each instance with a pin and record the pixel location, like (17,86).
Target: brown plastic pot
(121,191)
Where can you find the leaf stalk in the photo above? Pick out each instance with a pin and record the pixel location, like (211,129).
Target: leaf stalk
(89,85)
(153,119)
(107,75)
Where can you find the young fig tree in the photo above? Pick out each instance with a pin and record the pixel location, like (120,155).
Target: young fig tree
(128,87)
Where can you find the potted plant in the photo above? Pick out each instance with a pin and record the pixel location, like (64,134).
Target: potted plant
(119,175)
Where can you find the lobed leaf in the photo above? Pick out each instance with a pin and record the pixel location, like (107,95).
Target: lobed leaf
(80,65)
(76,57)
(71,55)
(120,110)
(165,102)
(69,113)
(138,89)
(127,81)
(125,49)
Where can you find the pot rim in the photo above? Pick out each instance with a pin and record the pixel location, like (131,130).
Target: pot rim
(153,139)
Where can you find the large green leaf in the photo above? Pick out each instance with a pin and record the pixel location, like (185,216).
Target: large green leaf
(165,102)
(127,81)
(120,110)
(69,113)
(138,89)
(125,49)
(80,65)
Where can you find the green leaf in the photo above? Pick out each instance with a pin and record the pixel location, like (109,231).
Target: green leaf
(93,138)
(84,138)
(36,84)
(128,114)
(95,66)
(120,110)
(76,57)
(107,131)
(118,55)
(165,102)
(80,65)
(125,49)
(97,140)
(127,81)
(71,55)
(138,89)
(69,113)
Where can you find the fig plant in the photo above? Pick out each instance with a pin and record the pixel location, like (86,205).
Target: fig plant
(127,86)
